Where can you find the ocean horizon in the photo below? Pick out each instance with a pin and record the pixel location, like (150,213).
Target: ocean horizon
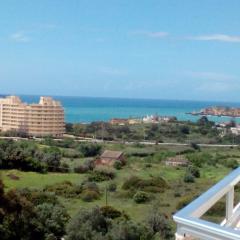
(89,109)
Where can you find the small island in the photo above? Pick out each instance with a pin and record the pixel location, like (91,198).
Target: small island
(218,111)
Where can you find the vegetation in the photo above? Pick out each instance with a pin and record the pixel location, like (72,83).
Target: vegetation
(58,186)
(30,215)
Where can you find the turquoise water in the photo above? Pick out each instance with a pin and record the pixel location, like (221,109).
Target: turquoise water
(87,109)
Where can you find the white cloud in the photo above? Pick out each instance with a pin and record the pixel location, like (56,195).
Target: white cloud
(211,76)
(152,34)
(19,37)
(216,37)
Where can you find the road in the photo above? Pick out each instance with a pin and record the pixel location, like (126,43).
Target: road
(93,140)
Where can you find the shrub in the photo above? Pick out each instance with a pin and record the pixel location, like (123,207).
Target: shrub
(177,194)
(90,186)
(64,168)
(112,187)
(194,171)
(148,165)
(101,174)
(141,197)
(86,225)
(195,146)
(217,210)
(154,184)
(110,212)
(189,178)
(81,169)
(184,201)
(89,149)
(65,189)
(159,224)
(90,191)
(184,129)
(129,230)
(231,163)
(117,165)
(89,195)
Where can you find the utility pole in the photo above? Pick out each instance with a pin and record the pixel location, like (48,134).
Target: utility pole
(106,195)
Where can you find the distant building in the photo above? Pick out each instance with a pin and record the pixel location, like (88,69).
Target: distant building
(134,121)
(42,119)
(178,160)
(119,121)
(109,157)
(158,119)
(235,130)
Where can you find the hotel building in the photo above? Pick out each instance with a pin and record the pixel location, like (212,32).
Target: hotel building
(42,119)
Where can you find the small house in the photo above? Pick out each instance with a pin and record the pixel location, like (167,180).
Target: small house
(176,161)
(109,157)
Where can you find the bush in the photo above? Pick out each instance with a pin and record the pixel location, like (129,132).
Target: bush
(102,174)
(89,195)
(231,163)
(64,168)
(148,165)
(89,149)
(154,184)
(217,210)
(86,225)
(90,191)
(189,178)
(112,187)
(195,146)
(117,165)
(194,171)
(110,212)
(177,194)
(88,165)
(129,230)
(159,224)
(65,189)
(184,201)
(90,186)
(184,129)
(81,169)
(141,197)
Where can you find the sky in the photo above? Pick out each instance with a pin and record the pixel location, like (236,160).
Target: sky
(164,49)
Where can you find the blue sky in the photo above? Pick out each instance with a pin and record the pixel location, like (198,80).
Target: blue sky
(166,49)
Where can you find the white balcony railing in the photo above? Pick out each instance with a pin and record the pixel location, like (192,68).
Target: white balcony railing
(189,222)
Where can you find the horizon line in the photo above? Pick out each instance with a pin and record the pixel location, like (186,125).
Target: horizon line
(122,98)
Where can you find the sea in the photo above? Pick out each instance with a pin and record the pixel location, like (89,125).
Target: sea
(89,109)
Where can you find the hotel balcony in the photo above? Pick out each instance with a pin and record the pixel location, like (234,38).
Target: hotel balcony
(190,222)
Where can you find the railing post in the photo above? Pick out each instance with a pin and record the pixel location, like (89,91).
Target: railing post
(229,203)
(179,237)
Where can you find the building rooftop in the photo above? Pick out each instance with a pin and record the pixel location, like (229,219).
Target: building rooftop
(111,154)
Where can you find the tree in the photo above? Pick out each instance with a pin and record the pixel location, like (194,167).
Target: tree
(129,230)
(52,158)
(89,150)
(159,223)
(194,171)
(53,218)
(87,225)
(189,178)
(202,121)
(184,129)
(30,215)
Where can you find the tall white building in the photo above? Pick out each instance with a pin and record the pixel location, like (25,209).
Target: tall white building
(41,119)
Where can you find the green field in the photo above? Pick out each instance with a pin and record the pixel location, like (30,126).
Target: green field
(136,166)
